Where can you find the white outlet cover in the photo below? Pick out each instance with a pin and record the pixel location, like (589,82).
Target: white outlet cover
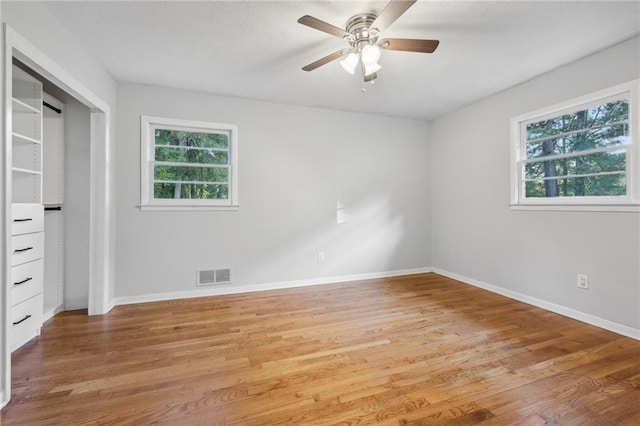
(583,281)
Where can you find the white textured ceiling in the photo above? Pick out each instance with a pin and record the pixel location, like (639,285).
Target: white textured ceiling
(256,49)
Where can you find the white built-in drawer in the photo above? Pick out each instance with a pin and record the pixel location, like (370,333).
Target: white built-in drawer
(27,218)
(26,320)
(26,280)
(27,247)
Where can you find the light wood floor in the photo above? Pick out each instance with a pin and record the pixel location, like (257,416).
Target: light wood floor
(419,349)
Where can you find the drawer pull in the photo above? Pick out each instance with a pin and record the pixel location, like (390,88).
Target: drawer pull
(22,220)
(23,281)
(22,320)
(24,249)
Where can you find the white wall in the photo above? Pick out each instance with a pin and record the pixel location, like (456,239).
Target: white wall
(76,205)
(33,21)
(537,254)
(296,165)
(5,356)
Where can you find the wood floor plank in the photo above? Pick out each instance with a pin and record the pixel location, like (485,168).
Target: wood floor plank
(418,349)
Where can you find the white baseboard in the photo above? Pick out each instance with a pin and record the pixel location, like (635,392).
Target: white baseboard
(558,309)
(3,402)
(110,305)
(231,289)
(75,305)
(51,313)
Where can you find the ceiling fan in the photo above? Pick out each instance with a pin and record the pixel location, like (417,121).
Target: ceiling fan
(362,33)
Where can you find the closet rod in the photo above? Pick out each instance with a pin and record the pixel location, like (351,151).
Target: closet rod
(48,105)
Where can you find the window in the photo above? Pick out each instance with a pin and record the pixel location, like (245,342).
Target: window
(580,153)
(188,164)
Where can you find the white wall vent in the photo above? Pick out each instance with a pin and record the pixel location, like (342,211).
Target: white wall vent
(213,276)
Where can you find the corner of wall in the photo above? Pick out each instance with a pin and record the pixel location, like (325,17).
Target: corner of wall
(476,235)
(613,326)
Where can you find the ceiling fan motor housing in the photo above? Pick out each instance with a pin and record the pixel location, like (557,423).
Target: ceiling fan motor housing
(360,31)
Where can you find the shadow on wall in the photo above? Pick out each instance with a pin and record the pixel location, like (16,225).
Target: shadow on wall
(362,237)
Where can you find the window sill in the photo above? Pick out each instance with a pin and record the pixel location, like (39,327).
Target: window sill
(185,207)
(613,208)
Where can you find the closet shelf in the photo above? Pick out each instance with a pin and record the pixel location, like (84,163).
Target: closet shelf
(26,171)
(22,107)
(17,137)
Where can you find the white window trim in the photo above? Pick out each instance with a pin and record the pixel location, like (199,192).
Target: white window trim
(148,203)
(627,203)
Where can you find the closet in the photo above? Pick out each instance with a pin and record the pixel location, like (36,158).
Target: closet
(27,214)
(39,282)
(38,235)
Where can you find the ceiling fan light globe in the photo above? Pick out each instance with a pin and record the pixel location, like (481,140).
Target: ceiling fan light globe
(349,63)
(370,54)
(370,69)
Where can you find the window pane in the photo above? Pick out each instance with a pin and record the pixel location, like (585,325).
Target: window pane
(190,174)
(581,148)
(600,162)
(188,160)
(196,156)
(607,185)
(190,191)
(589,118)
(601,137)
(191,139)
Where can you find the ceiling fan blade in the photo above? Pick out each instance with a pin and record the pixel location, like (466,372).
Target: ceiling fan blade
(370,77)
(409,44)
(319,25)
(320,62)
(390,13)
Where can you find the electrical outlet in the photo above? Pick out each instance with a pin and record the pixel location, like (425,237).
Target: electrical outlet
(583,281)
(320,256)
